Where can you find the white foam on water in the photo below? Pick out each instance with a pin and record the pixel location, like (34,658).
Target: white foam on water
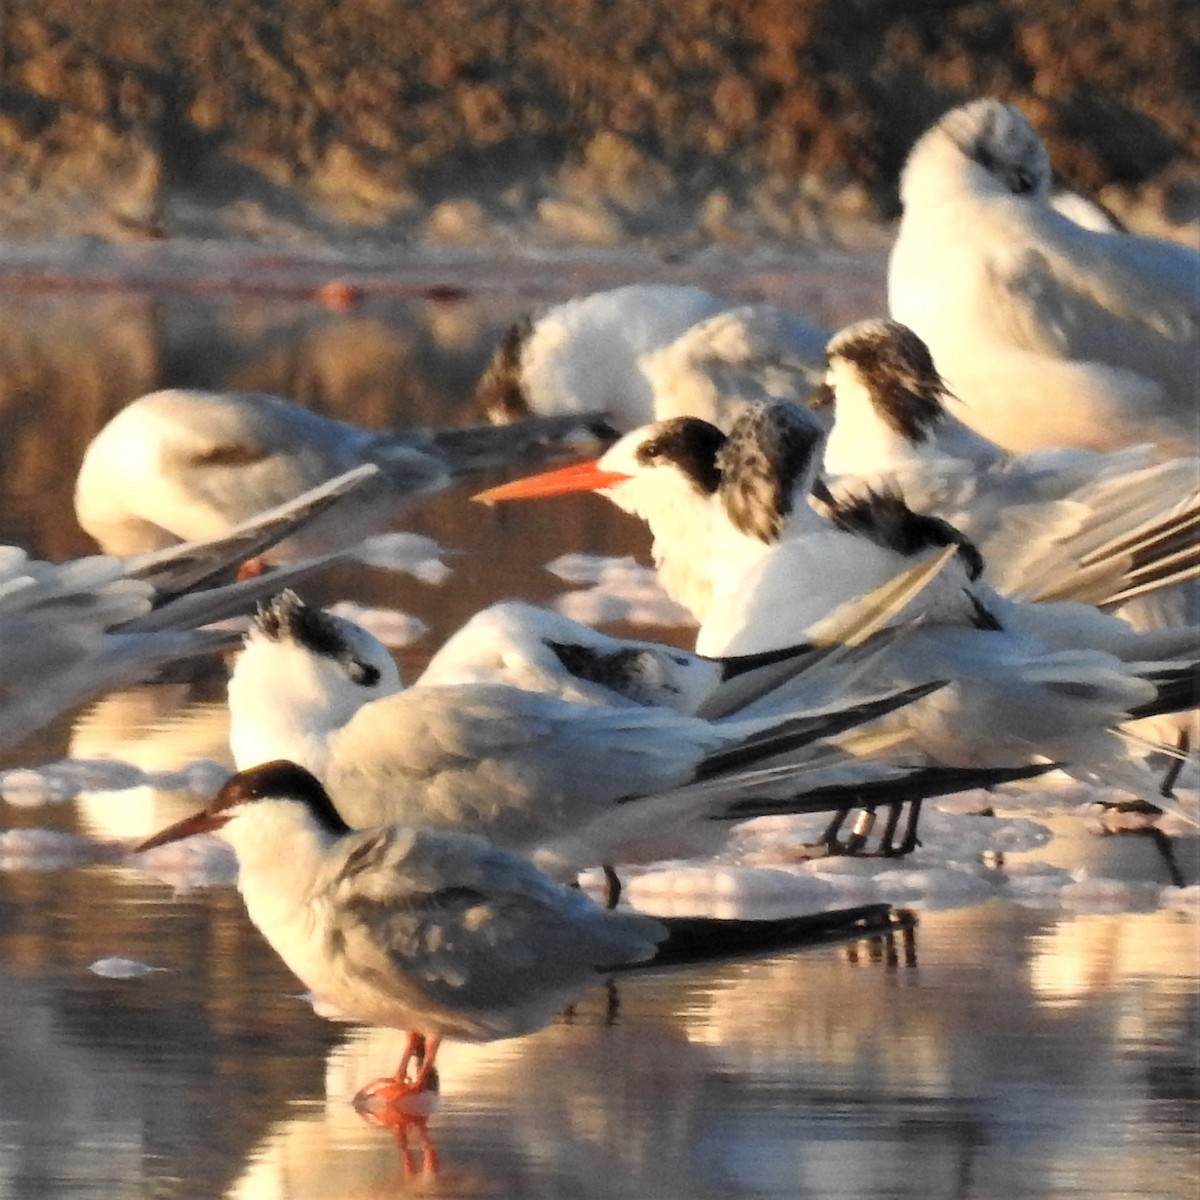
(408,553)
(618,590)
(391,626)
(122,968)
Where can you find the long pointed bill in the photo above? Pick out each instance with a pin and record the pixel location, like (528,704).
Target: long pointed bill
(201,822)
(580,477)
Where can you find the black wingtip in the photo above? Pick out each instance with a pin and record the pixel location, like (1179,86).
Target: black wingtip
(692,940)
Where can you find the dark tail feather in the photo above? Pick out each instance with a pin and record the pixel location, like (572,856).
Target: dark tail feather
(707,939)
(1178,690)
(918,784)
(793,733)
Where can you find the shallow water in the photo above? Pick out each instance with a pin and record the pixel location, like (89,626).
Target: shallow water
(1022,1040)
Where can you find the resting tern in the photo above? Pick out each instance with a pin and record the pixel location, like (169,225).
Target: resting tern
(1050,333)
(542,650)
(182,464)
(760,564)
(69,631)
(1064,524)
(648,351)
(1112,529)
(570,785)
(437,930)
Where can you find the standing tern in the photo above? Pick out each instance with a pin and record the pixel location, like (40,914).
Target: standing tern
(181,464)
(1050,333)
(439,931)
(647,351)
(570,785)
(731,516)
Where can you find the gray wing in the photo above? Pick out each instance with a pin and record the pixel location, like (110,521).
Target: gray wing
(471,933)
(516,765)
(1129,302)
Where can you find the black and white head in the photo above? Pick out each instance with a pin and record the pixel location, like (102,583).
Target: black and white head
(302,660)
(770,455)
(268,795)
(663,471)
(500,393)
(668,463)
(884,364)
(999,147)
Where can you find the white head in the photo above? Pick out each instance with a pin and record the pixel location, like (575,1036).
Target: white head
(302,674)
(985,147)
(541,650)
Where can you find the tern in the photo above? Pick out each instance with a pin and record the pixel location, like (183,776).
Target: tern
(71,630)
(1062,524)
(1050,333)
(648,351)
(1113,529)
(737,539)
(439,931)
(569,784)
(182,464)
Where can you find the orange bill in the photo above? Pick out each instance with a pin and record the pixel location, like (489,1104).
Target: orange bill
(580,477)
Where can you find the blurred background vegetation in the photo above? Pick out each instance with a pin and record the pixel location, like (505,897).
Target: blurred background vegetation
(586,121)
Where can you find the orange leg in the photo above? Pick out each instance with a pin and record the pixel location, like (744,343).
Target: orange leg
(398,1088)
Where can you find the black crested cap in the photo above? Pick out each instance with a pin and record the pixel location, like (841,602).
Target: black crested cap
(898,370)
(625,670)
(768,452)
(690,444)
(884,518)
(285,617)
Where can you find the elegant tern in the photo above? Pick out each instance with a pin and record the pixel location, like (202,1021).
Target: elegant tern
(1050,333)
(762,564)
(1111,528)
(1066,524)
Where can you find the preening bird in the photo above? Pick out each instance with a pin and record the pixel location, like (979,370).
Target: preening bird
(648,351)
(183,464)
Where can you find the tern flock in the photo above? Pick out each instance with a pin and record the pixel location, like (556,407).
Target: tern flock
(947,549)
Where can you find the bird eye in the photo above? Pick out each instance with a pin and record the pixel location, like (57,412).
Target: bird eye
(362,673)
(1023,182)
